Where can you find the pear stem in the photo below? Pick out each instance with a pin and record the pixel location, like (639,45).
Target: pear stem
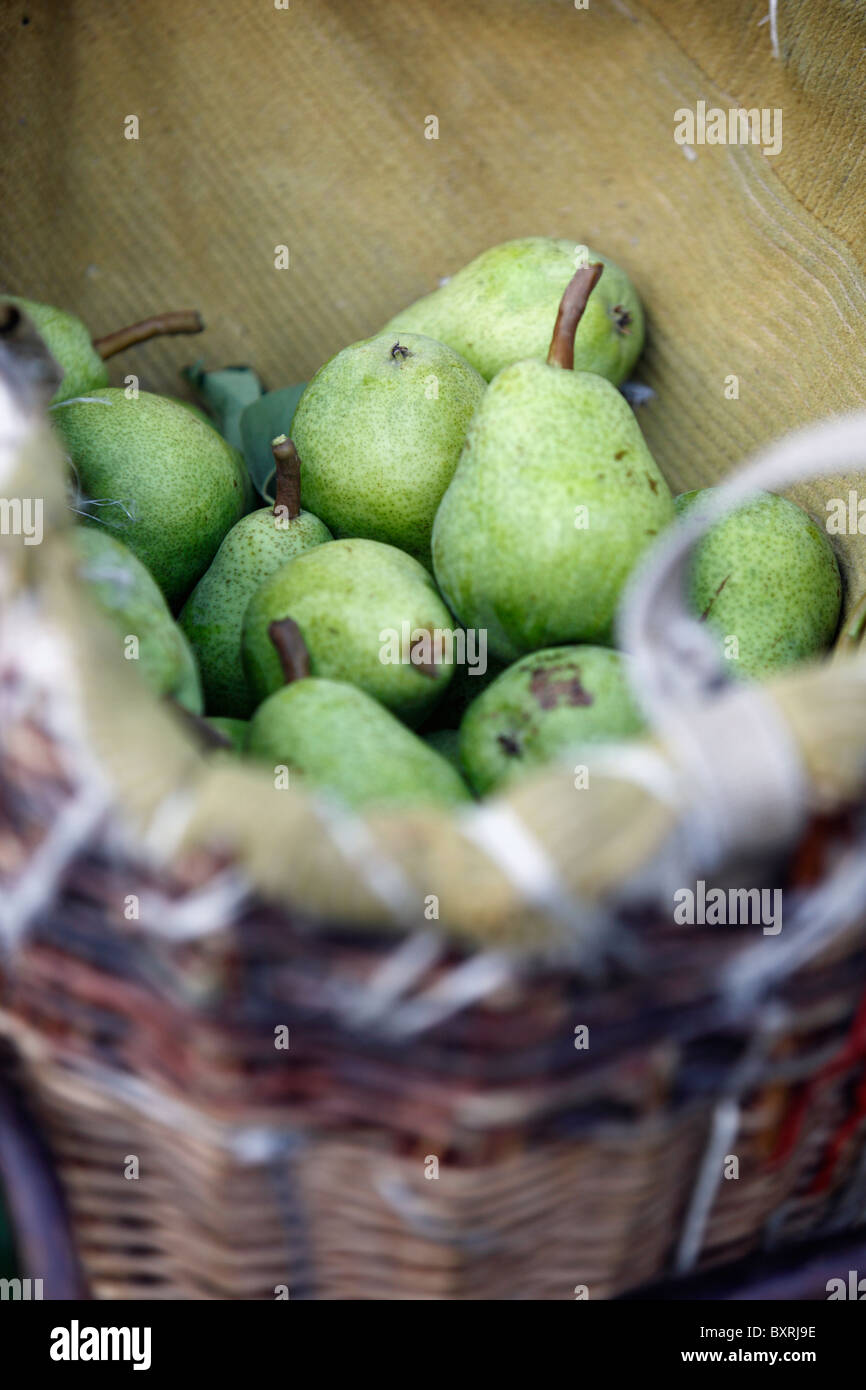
(572,305)
(288,466)
(183,321)
(291,649)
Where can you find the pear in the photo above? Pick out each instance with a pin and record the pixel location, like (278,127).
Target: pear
(194,409)
(82,359)
(367,613)
(161,480)
(765,578)
(555,497)
(379,430)
(339,739)
(545,704)
(69,343)
(498,309)
(256,546)
(128,596)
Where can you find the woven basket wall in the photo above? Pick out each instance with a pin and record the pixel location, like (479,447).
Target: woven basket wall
(306,1169)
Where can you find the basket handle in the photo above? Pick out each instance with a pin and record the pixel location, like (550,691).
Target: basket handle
(674,659)
(736,766)
(36,1207)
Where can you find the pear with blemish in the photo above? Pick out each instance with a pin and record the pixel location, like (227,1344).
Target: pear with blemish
(544,705)
(368,614)
(499,308)
(254,548)
(555,498)
(334,737)
(379,430)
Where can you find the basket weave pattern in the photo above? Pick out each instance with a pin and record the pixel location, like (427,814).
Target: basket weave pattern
(305,1168)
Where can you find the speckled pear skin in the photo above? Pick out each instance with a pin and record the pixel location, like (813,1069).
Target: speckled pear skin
(213,615)
(178,485)
(379,431)
(128,596)
(543,705)
(343,595)
(69,342)
(501,308)
(339,739)
(768,576)
(506,551)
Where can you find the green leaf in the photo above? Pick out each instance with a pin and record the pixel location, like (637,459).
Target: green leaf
(225,395)
(262,421)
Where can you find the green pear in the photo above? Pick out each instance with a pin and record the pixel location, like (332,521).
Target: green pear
(765,578)
(368,614)
(234,731)
(251,496)
(128,596)
(555,498)
(255,547)
(196,410)
(543,705)
(379,430)
(83,359)
(70,345)
(339,739)
(163,481)
(499,308)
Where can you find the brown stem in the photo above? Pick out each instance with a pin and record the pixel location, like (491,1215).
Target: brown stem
(288,489)
(572,305)
(183,321)
(291,649)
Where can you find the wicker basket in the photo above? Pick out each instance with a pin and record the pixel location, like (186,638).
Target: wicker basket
(272,1073)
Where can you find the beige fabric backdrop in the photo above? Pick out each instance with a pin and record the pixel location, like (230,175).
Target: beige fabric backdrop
(305,126)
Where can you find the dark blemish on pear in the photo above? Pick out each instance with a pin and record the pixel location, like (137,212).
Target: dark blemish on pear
(426,668)
(620,454)
(652,482)
(509,745)
(399,351)
(707,610)
(550,692)
(622,319)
